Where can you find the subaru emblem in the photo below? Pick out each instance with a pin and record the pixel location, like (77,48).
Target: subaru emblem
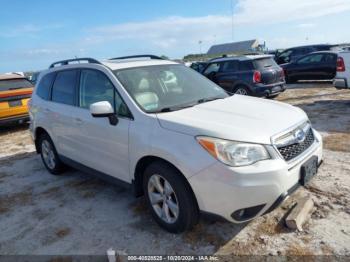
(299,135)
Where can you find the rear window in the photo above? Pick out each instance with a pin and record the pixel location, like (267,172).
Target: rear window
(12,84)
(63,90)
(43,88)
(264,63)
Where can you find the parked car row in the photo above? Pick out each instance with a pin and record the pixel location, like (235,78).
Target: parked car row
(176,137)
(260,75)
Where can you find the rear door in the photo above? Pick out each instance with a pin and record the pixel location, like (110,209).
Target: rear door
(329,67)
(310,67)
(59,112)
(228,75)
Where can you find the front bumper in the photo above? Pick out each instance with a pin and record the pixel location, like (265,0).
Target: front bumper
(224,190)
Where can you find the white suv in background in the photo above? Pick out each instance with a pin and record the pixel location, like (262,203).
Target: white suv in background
(342,78)
(174,136)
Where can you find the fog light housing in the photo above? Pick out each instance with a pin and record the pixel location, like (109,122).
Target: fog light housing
(247,213)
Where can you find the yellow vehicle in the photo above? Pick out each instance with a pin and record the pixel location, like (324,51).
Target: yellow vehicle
(15,92)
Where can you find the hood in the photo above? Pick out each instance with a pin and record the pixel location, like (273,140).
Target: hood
(238,118)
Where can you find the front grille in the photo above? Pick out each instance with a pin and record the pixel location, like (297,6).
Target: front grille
(291,151)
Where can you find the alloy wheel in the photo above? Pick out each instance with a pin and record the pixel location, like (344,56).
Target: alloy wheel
(241,91)
(48,154)
(163,199)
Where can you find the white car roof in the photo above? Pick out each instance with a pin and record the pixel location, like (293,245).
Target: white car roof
(130,63)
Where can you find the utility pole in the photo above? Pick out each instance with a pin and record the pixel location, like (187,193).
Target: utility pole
(232,20)
(200,47)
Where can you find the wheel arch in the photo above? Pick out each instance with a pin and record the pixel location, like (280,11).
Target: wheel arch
(240,84)
(38,132)
(141,166)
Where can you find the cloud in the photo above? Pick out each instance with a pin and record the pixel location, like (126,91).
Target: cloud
(280,11)
(26,30)
(306,25)
(177,31)
(165,32)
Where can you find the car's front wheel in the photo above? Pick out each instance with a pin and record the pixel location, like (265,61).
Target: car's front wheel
(49,155)
(170,198)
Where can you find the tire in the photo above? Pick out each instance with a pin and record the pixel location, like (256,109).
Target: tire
(180,212)
(273,96)
(49,155)
(290,80)
(241,90)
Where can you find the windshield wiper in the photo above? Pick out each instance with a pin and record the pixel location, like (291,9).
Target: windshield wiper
(204,100)
(175,108)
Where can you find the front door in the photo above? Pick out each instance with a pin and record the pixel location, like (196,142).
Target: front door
(100,145)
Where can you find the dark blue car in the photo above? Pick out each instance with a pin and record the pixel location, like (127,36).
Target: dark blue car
(256,75)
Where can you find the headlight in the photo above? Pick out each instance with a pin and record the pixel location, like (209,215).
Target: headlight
(234,153)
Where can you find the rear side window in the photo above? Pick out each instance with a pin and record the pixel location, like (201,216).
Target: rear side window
(329,58)
(230,66)
(264,63)
(43,88)
(246,66)
(13,84)
(63,90)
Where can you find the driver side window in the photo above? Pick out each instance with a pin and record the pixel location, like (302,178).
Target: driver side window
(95,87)
(214,67)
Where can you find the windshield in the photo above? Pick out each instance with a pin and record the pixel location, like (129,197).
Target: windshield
(12,84)
(164,88)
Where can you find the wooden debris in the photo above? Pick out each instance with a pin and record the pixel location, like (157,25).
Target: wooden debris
(300,213)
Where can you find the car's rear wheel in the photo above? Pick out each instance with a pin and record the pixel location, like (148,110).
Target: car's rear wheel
(241,90)
(170,198)
(49,155)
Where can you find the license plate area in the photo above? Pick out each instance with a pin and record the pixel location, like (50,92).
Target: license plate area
(15,103)
(308,170)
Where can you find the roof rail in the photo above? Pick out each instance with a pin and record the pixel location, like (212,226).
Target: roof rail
(66,62)
(137,56)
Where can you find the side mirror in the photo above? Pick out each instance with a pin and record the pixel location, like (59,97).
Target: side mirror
(104,109)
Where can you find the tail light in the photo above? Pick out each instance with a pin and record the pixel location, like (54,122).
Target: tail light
(340,64)
(283,73)
(29,104)
(257,77)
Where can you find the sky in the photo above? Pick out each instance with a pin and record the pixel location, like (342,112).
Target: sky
(35,33)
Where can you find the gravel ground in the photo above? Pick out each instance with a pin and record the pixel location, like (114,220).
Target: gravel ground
(77,214)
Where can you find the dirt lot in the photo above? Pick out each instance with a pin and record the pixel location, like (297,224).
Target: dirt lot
(77,214)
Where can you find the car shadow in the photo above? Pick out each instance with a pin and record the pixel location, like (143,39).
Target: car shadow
(13,128)
(310,84)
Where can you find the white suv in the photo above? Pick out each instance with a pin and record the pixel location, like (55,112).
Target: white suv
(174,136)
